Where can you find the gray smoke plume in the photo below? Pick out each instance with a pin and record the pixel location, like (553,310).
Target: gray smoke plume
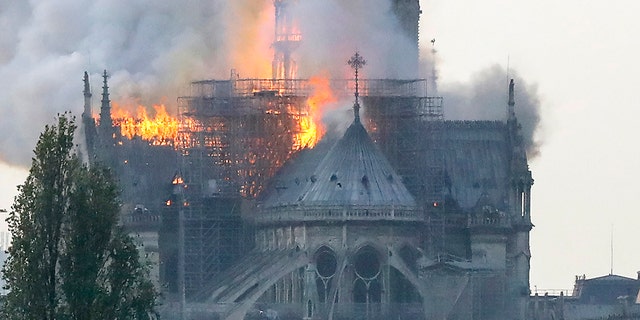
(485,98)
(150,48)
(334,29)
(153,48)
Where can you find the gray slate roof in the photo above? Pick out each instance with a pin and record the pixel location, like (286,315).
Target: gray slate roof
(476,160)
(606,289)
(353,173)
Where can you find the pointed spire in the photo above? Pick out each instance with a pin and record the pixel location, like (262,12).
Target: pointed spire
(87,90)
(356,62)
(105,89)
(511,111)
(87,96)
(105,108)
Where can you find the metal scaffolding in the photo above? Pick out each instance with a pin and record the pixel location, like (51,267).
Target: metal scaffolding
(408,132)
(287,39)
(231,144)
(234,87)
(402,125)
(235,134)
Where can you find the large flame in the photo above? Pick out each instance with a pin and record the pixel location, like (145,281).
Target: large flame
(250,159)
(309,133)
(318,102)
(161,129)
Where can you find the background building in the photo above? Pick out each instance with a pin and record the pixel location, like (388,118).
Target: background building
(606,297)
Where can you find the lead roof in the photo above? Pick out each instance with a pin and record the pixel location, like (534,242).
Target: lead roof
(353,173)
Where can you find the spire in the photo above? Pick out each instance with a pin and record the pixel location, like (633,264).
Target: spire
(511,111)
(87,90)
(87,96)
(105,108)
(287,40)
(356,62)
(105,90)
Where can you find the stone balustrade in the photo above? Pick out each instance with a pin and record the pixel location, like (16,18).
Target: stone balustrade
(338,213)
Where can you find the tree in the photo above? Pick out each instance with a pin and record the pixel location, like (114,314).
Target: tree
(69,258)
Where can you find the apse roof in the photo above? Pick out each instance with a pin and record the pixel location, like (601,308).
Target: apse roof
(353,173)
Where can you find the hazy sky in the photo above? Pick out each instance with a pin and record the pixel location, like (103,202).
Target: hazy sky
(583,57)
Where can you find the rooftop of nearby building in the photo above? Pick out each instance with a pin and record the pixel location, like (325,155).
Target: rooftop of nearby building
(606,289)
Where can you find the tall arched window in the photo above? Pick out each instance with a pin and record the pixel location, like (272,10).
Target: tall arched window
(326,267)
(367,288)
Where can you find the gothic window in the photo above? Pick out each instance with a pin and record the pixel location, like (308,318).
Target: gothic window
(367,288)
(326,267)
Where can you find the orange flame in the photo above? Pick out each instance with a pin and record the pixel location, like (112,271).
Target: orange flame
(309,134)
(318,102)
(161,129)
(177,180)
(250,34)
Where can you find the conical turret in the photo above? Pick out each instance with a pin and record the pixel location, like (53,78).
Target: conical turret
(353,175)
(356,173)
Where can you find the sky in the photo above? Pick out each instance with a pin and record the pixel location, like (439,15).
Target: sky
(578,57)
(583,57)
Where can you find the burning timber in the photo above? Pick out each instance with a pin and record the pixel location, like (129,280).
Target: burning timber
(250,127)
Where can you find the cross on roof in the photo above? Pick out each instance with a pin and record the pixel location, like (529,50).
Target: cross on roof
(356,62)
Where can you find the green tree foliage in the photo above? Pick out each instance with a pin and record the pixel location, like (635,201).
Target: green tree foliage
(69,258)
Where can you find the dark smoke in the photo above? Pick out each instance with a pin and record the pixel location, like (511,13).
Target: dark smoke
(485,98)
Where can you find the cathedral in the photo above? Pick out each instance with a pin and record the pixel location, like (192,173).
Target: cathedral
(405,215)
(338,235)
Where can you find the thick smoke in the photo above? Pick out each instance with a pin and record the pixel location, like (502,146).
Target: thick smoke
(151,49)
(485,98)
(334,29)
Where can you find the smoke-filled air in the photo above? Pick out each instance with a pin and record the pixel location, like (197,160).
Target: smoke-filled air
(484,98)
(332,30)
(152,49)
